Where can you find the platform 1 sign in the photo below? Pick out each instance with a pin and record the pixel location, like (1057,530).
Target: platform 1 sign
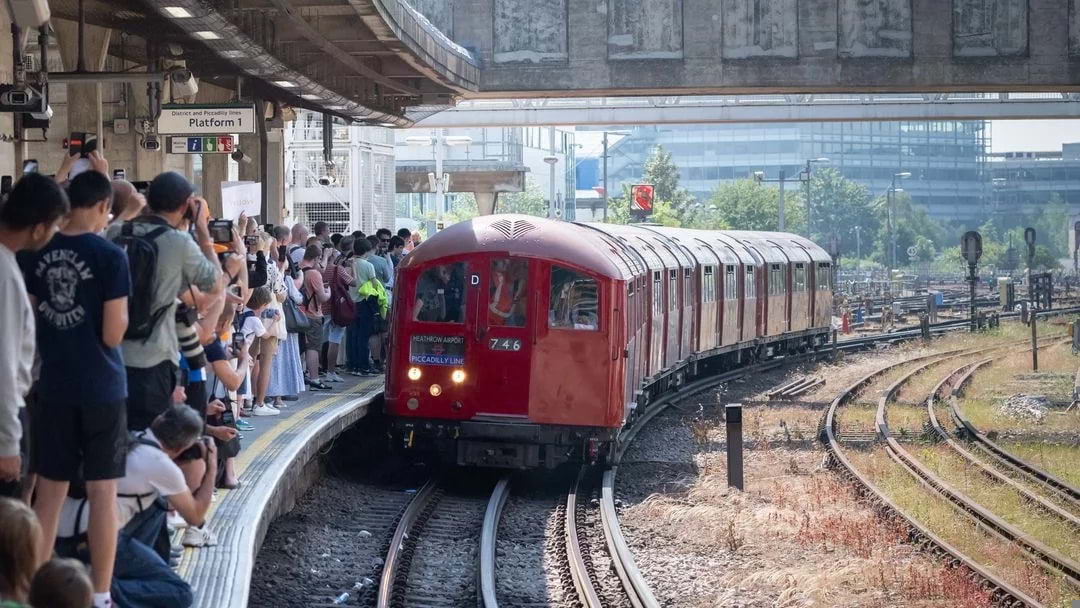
(197,119)
(213,144)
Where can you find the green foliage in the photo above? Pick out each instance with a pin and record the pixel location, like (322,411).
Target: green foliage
(533,201)
(749,205)
(672,205)
(838,205)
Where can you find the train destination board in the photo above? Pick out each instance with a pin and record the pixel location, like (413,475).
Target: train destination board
(437,350)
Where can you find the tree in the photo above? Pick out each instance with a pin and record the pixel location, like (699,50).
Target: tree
(672,205)
(839,205)
(911,224)
(746,204)
(533,201)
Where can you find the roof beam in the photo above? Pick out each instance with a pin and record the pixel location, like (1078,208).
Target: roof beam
(338,54)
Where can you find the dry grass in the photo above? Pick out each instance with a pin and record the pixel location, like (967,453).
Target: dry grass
(1006,560)
(1004,501)
(1061,461)
(907,421)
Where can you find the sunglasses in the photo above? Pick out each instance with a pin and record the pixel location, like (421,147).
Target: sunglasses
(384,240)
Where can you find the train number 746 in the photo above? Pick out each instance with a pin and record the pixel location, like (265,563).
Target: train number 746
(513,344)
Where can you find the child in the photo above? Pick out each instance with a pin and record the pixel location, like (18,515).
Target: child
(19,532)
(254,322)
(61,583)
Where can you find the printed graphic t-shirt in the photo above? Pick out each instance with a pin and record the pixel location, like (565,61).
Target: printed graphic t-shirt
(72,278)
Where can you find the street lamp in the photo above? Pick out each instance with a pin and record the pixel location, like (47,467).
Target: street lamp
(759,177)
(551,161)
(809,203)
(606,133)
(890,197)
(439,181)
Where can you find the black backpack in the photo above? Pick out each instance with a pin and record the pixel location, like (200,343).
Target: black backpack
(142,253)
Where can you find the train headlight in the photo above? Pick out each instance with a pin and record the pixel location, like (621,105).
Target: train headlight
(414,373)
(458,376)
(435,390)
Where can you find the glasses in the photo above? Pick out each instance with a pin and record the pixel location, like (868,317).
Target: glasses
(384,240)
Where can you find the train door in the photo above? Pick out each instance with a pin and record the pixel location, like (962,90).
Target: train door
(504,314)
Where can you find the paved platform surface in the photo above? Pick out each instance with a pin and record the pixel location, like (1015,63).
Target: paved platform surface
(269,468)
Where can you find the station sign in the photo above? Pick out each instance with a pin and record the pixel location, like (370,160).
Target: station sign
(212,144)
(200,119)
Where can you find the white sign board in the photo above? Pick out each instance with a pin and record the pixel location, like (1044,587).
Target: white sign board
(200,119)
(240,197)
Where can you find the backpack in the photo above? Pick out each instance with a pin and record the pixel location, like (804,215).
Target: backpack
(342,309)
(142,253)
(292,267)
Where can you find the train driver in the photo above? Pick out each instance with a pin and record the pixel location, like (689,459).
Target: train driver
(439,295)
(505,294)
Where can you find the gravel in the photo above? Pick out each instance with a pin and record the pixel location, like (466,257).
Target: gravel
(1026,407)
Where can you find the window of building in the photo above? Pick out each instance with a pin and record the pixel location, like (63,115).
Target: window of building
(574,303)
(440,294)
(508,292)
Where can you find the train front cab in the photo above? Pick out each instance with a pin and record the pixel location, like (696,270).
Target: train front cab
(508,360)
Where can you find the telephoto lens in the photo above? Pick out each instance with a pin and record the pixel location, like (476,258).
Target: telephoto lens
(188,338)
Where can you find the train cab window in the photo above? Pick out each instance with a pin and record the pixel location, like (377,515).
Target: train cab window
(731,291)
(440,294)
(749,288)
(508,292)
(574,301)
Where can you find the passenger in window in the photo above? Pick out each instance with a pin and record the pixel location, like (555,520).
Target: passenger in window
(439,294)
(505,303)
(585,320)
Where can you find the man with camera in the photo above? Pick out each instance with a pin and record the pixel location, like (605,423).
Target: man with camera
(164,259)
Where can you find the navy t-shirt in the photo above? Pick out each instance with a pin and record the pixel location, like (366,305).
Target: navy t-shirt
(72,278)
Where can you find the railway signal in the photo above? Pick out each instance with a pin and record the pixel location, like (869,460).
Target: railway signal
(971,248)
(641,200)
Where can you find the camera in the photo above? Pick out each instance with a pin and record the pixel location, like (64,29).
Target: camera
(81,144)
(240,157)
(251,240)
(151,142)
(327,180)
(221,231)
(16,98)
(30,165)
(237,343)
(183,82)
(188,337)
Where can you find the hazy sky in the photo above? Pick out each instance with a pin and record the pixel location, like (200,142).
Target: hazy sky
(1033,135)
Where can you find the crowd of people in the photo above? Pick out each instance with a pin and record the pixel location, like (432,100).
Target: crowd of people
(142,340)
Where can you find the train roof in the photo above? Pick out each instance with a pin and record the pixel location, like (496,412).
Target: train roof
(525,236)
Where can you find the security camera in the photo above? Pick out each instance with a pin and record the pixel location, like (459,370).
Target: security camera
(46,114)
(240,157)
(151,142)
(183,82)
(16,97)
(327,180)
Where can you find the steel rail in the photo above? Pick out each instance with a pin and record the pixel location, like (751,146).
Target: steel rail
(1003,592)
(579,571)
(961,501)
(947,383)
(488,538)
(1003,456)
(390,574)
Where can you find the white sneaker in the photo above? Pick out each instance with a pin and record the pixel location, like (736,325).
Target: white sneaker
(175,521)
(262,410)
(334,377)
(280,406)
(199,537)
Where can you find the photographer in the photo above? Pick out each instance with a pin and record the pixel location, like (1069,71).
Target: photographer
(163,259)
(153,483)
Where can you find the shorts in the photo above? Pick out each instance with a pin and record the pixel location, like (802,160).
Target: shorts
(334,334)
(313,335)
(68,434)
(150,392)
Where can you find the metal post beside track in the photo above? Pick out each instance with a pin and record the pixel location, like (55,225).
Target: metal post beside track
(733,418)
(1029,238)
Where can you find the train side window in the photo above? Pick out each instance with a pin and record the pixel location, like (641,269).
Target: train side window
(708,288)
(799,282)
(749,288)
(824,277)
(574,303)
(508,292)
(673,288)
(730,285)
(440,294)
(776,280)
(658,295)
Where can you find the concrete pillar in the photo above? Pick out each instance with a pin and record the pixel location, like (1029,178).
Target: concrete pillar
(215,169)
(84,109)
(485,202)
(275,175)
(7,125)
(250,171)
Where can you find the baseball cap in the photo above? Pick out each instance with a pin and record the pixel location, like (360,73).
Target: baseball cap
(169,191)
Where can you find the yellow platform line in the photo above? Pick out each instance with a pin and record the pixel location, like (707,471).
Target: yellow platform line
(257,447)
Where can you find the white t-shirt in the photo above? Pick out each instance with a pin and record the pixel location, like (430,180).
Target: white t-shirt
(150,473)
(252,328)
(16,350)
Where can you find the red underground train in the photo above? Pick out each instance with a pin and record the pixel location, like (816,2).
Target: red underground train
(524,342)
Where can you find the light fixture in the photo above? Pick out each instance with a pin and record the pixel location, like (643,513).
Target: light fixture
(310,97)
(414,373)
(177,12)
(285,83)
(207,35)
(458,376)
(335,107)
(435,390)
(904,174)
(233,54)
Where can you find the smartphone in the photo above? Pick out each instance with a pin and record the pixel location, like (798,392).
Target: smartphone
(119,174)
(142,188)
(30,165)
(268,228)
(251,240)
(221,231)
(75,143)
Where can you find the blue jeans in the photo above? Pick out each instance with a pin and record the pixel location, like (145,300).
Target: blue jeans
(141,578)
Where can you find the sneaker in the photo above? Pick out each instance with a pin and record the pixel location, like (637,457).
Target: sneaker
(318,386)
(378,366)
(174,520)
(244,425)
(199,537)
(262,410)
(334,377)
(368,372)
(176,550)
(281,405)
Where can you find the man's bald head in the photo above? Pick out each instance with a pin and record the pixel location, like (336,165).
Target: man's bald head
(127,202)
(299,233)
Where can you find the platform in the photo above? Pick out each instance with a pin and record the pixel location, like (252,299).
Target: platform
(272,469)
